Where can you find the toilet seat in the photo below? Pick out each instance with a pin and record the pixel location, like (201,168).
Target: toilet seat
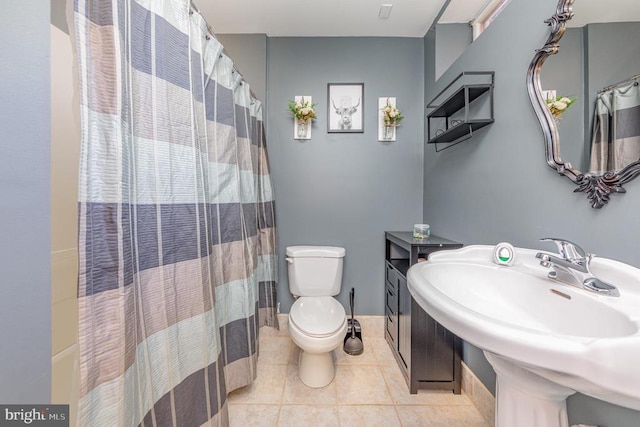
(317,317)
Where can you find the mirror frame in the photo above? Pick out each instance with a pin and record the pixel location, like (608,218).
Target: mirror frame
(598,188)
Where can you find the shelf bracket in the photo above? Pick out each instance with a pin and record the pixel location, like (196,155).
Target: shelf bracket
(455,142)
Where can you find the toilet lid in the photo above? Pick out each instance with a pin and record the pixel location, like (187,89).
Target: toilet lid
(317,316)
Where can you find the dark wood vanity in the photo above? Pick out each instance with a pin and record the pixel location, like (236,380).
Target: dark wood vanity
(429,355)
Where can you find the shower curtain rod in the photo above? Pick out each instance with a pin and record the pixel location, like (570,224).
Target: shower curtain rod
(210,31)
(615,85)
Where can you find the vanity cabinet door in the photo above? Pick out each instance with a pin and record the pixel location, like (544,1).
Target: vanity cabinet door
(440,350)
(391,277)
(391,325)
(391,305)
(391,300)
(404,321)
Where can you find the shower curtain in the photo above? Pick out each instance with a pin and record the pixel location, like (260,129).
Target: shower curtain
(616,129)
(176,218)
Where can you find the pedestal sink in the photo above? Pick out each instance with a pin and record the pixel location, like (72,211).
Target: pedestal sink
(545,339)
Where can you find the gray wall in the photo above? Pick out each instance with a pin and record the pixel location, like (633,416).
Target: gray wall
(249,55)
(451,41)
(25,290)
(497,187)
(346,189)
(429,62)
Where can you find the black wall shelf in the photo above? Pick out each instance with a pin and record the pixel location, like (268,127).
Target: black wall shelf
(458,130)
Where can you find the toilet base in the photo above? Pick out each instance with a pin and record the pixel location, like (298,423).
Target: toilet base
(316,370)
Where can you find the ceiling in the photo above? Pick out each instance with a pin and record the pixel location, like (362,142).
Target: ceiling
(409,18)
(281,18)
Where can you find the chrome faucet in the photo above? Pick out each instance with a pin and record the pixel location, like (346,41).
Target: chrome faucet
(572,267)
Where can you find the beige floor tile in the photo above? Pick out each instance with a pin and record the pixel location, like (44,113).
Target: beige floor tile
(366,358)
(365,388)
(308,415)
(361,384)
(294,354)
(296,392)
(253,415)
(392,368)
(268,331)
(368,416)
(283,322)
(267,388)
(401,396)
(440,416)
(381,351)
(372,326)
(274,350)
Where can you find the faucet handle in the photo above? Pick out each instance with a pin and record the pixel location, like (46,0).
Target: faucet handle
(568,250)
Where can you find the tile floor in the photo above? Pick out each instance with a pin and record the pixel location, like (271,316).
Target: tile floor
(368,390)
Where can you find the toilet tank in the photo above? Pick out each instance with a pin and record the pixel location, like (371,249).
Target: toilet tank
(315,271)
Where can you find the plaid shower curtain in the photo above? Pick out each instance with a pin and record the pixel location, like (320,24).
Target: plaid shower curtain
(616,129)
(176,218)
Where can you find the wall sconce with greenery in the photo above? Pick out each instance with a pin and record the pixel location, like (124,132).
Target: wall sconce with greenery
(303,110)
(389,118)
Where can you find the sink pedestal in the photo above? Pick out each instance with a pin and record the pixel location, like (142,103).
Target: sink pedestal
(525,399)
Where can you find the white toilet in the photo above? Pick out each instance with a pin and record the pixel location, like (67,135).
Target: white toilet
(317,321)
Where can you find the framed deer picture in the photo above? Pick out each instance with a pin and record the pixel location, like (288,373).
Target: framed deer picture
(345,107)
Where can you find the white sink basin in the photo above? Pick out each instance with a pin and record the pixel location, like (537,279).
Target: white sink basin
(525,301)
(553,333)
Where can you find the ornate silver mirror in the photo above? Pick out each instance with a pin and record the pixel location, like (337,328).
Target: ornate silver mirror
(587,98)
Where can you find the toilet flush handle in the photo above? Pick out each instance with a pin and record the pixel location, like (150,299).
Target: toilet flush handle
(289,260)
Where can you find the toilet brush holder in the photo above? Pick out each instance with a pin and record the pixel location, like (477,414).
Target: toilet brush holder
(350,325)
(353,340)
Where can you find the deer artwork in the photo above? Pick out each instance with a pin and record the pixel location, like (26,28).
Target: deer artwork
(345,111)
